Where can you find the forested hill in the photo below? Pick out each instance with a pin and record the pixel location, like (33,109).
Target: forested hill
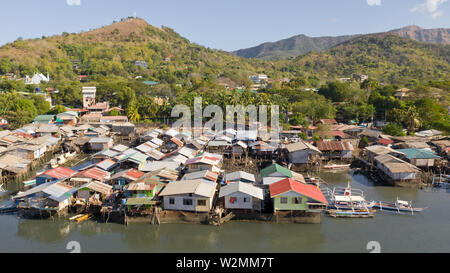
(111,52)
(132,49)
(385,57)
(292,47)
(302,44)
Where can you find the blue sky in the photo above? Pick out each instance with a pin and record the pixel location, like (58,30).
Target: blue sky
(224,24)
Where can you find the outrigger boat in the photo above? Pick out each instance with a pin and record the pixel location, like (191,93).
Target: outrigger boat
(349,199)
(397,206)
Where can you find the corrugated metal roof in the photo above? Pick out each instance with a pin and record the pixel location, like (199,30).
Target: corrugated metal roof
(59,173)
(242,187)
(197,187)
(334,146)
(94,173)
(301,145)
(98,187)
(236,176)
(201,174)
(396,165)
(275,168)
(100,140)
(106,164)
(418,154)
(157,165)
(287,185)
(120,148)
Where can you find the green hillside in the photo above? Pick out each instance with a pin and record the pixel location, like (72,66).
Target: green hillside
(385,57)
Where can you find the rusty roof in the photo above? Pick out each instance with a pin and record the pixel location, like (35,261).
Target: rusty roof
(334,146)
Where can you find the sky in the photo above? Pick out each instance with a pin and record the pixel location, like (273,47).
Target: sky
(223,24)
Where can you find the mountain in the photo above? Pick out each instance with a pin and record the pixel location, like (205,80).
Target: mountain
(292,47)
(435,36)
(112,52)
(385,56)
(302,44)
(132,48)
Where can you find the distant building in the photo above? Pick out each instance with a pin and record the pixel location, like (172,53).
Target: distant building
(37,78)
(402,93)
(360,77)
(89,96)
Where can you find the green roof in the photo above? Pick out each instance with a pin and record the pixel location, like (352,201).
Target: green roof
(44,118)
(418,153)
(276,168)
(150,82)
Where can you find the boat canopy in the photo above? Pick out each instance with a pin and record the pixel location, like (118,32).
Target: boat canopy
(348,198)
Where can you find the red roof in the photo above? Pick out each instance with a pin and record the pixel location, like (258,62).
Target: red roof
(136,174)
(287,185)
(385,141)
(59,173)
(94,173)
(177,141)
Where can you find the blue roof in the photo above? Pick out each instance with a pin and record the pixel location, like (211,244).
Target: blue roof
(150,82)
(418,153)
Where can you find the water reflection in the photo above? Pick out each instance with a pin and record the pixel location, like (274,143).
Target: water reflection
(44,231)
(423,232)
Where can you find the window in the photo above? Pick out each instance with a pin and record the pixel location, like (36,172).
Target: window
(171,201)
(283,200)
(187,202)
(297,200)
(201,203)
(246,199)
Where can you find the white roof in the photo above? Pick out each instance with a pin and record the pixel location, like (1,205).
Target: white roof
(187,152)
(157,141)
(172,132)
(119,148)
(178,158)
(151,166)
(197,187)
(242,187)
(240,175)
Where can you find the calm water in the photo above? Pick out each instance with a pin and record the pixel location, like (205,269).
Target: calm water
(425,232)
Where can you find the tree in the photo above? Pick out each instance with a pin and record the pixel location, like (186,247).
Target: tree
(57,109)
(315,107)
(393,129)
(369,85)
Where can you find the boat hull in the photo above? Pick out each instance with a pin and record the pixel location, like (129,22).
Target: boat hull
(393,207)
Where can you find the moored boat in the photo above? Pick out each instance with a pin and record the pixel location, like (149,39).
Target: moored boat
(336,166)
(397,206)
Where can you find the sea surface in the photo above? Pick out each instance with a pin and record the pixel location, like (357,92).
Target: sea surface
(422,232)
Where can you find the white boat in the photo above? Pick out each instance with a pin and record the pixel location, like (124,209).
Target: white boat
(336,166)
(347,198)
(397,206)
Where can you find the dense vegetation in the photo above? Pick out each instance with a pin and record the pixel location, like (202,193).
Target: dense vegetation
(184,70)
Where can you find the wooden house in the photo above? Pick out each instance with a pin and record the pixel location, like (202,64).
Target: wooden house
(275,173)
(120,179)
(336,149)
(189,195)
(396,170)
(290,195)
(302,153)
(101,143)
(420,157)
(240,176)
(242,196)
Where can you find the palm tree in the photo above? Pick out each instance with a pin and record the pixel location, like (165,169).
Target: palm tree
(369,85)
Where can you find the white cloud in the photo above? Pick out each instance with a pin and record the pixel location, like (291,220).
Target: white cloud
(431,7)
(374,2)
(73,2)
